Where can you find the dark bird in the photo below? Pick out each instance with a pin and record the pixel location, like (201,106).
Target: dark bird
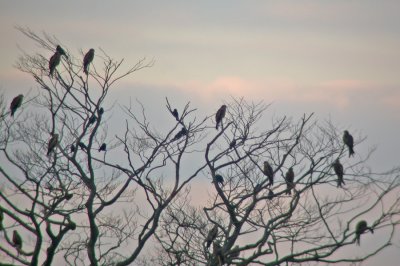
(17,240)
(232,144)
(220,115)
(348,140)
(82,145)
(269,172)
(87,60)
(219,179)
(180,134)
(92,119)
(212,234)
(16,103)
(175,114)
(54,61)
(103,147)
(338,168)
(69,196)
(72,148)
(52,144)
(61,51)
(361,228)
(289,177)
(101,111)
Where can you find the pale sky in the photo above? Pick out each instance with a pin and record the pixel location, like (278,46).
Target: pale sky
(339,59)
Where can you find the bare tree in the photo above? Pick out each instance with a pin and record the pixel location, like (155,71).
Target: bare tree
(76,191)
(310,219)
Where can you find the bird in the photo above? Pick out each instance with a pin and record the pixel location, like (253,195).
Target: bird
(289,177)
(87,60)
(52,144)
(17,240)
(101,111)
(180,134)
(269,172)
(92,119)
(232,144)
(220,115)
(61,51)
(361,228)
(54,61)
(219,179)
(338,168)
(69,196)
(16,103)
(103,147)
(175,114)
(72,148)
(348,140)
(212,234)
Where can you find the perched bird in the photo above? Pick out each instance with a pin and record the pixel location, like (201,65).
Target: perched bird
(103,147)
(361,228)
(61,51)
(175,114)
(17,240)
(82,145)
(72,148)
(92,119)
(52,144)
(338,168)
(54,61)
(289,177)
(180,134)
(232,144)
(220,115)
(269,172)
(348,140)
(219,179)
(87,60)
(212,234)
(101,111)
(16,103)
(69,196)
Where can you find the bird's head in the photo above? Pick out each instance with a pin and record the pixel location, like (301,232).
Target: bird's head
(346,132)
(91,50)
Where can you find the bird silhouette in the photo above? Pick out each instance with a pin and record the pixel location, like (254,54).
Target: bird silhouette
(289,177)
(17,240)
(175,114)
(270,195)
(16,103)
(180,134)
(101,111)
(219,179)
(72,148)
(61,51)
(220,115)
(212,234)
(52,144)
(348,140)
(87,60)
(269,172)
(54,62)
(103,147)
(338,168)
(82,145)
(361,228)
(92,119)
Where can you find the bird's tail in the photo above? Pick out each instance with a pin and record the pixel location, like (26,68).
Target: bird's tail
(358,240)
(85,70)
(351,151)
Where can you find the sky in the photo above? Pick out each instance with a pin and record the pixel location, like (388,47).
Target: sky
(338,59)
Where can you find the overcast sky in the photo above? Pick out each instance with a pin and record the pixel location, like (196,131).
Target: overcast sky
(339,59)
